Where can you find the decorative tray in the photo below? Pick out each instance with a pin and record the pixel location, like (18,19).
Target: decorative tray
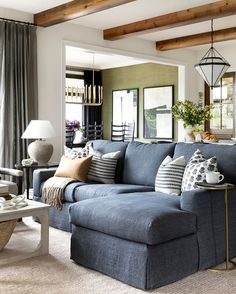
(205,184)
(210,141)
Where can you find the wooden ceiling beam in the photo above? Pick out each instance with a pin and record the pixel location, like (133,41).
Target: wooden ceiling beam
(74,9)
(172,20)
(198,39)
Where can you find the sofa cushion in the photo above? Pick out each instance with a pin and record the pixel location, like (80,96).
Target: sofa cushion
(150,218)
(70,190)
(143,160)
(79,191)
(106,146)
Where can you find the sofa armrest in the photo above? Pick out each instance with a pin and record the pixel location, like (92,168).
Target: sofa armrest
(11,172)
(16,176)
(199,202)
(40,176)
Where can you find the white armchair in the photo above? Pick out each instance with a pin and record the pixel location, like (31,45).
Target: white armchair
(16,185)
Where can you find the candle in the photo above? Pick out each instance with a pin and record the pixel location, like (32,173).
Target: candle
(76,93)
(85,94)
(94,94)
(89,93)
(72,94)
(99,94)
(69,93)
(66,94)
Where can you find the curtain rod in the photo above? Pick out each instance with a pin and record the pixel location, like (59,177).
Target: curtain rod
(18,21)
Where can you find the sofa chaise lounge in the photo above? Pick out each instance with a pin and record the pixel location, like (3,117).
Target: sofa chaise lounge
(144,238)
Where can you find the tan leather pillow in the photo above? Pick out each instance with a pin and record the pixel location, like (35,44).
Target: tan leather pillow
(76,168)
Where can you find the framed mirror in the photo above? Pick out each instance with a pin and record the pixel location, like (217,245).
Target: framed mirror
(157,116)
(125,107)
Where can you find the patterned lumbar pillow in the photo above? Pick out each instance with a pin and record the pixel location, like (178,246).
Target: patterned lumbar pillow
(103,167)
(169,175)
(71,153)
(196,169)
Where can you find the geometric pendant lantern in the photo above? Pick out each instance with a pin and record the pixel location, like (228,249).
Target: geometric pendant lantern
(212,66)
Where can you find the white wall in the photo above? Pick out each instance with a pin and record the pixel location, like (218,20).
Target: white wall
(51,43)
(15,14)
(51,62)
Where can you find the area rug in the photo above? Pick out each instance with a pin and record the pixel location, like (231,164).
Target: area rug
(56,273)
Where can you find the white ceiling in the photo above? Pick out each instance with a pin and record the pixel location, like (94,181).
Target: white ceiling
(135,11)
(31,6)
(84,58)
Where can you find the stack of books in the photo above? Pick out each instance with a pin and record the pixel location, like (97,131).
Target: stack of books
(4,192)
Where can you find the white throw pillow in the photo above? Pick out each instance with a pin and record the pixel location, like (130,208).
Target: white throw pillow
(97,153)
(169,175)
(114,155)
(196,169)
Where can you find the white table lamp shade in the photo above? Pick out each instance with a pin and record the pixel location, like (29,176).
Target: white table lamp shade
(39,129)
(39,150)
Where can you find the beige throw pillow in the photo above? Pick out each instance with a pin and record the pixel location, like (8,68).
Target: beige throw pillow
(76,168)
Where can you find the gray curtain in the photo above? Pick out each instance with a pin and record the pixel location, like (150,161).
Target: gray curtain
(18,88)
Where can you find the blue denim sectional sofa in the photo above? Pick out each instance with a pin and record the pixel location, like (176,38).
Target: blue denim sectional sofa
(144,238)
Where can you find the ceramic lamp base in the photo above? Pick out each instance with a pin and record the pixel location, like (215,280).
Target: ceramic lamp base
(40,151)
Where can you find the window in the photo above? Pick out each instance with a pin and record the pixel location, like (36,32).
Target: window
(223,99)
(74,111)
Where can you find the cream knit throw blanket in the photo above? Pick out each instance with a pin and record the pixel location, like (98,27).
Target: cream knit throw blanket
(53,191)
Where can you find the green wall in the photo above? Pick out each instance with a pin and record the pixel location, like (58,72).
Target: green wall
(135,76)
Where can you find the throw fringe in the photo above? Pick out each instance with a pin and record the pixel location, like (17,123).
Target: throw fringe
(53,191)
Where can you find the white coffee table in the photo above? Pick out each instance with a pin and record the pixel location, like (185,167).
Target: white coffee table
(34,208)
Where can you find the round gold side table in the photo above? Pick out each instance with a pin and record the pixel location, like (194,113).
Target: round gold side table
(222,187)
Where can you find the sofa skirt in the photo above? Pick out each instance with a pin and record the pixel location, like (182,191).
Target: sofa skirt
(58,218)
(140,265)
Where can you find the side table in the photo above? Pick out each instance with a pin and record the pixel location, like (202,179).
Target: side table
(30,168)
(222,187)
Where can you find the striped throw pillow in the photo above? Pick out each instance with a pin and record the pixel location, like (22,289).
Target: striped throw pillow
(169,175)
(103,169)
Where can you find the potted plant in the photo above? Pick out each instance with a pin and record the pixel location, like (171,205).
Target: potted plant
(74,126)
(192,114)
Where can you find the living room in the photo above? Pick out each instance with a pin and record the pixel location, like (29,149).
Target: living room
(145,67)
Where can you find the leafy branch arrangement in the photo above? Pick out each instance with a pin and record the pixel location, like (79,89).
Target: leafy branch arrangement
(191,113)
